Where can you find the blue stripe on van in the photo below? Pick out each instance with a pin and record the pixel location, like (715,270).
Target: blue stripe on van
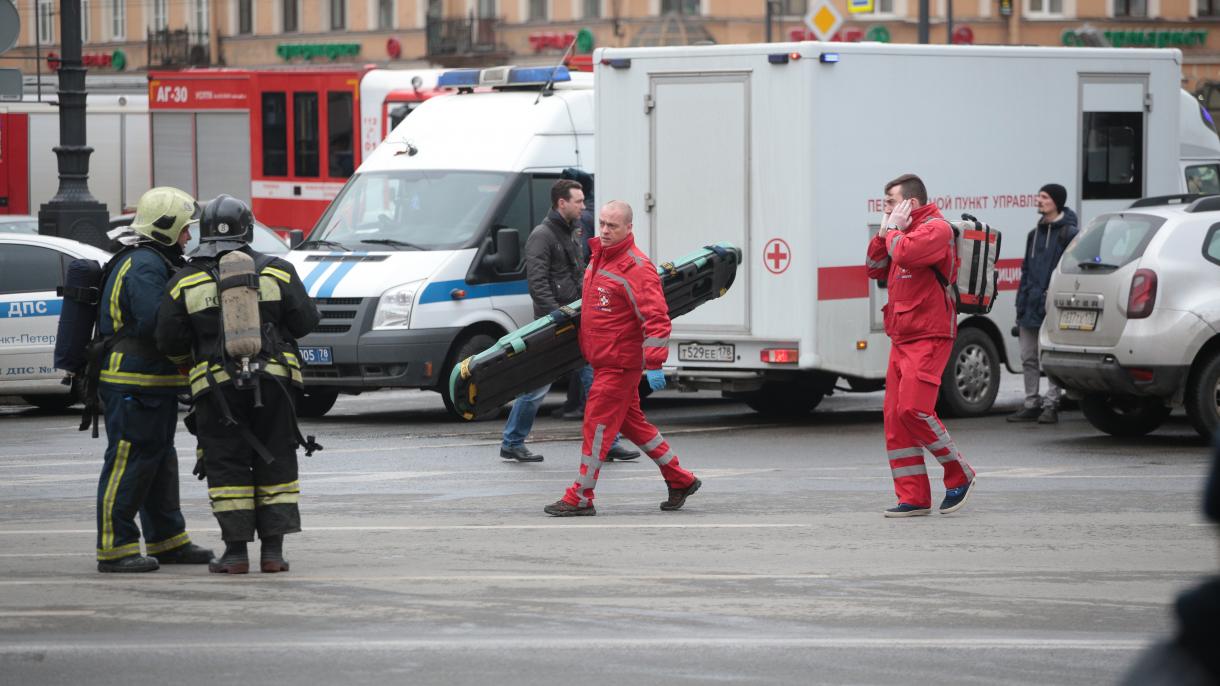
(317,272)
(328,287)
(438,291)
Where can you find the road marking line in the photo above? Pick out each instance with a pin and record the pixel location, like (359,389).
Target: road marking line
(47,613)
(473,527)
(600,642)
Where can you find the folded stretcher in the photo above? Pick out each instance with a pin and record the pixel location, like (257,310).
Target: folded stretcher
(541,351)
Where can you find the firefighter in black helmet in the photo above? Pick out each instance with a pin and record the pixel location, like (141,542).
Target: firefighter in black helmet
(227,297)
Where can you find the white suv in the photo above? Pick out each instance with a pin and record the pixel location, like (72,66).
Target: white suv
(1133,316)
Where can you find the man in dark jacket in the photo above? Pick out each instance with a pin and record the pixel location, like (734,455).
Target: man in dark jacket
(554,270)
(1043,247)
(585,228)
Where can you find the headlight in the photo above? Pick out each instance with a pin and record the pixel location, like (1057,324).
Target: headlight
(394,307)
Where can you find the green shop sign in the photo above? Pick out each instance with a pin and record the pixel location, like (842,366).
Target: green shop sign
(309,51)
(1142,39)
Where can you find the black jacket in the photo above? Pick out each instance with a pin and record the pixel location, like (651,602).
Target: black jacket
(189,321)
(1044,247)
(553,265)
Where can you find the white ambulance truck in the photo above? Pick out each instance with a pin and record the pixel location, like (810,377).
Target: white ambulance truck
(417,263)
(784,149)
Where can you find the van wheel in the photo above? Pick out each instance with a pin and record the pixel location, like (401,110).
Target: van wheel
(971,379)
(783,400)
(470,345)
(1203,398)
(1126,416)
(316,403)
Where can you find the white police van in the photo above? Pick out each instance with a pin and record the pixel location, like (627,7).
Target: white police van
(417,263)
(31,268)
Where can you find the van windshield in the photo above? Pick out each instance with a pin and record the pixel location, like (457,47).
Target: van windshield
(411,210)
(1109,242)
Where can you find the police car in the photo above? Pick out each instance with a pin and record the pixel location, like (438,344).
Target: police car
(31,268)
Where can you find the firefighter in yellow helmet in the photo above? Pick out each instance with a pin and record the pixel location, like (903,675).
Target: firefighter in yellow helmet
(138,387)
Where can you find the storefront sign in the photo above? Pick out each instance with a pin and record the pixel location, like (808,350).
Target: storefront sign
(331,51)
(551,41)
(1138,38)
(877,34)
(116,60)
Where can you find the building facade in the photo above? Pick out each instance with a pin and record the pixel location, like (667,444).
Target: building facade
(134,35)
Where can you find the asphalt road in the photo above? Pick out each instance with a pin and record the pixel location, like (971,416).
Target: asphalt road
(427,560)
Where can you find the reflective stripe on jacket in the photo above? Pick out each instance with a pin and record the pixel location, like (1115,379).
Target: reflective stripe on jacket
(624,319)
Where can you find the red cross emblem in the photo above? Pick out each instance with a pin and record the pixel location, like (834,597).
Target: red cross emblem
(777,256)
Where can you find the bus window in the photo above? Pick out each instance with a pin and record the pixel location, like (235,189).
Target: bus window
(339,130)
(275,134)
(305,133)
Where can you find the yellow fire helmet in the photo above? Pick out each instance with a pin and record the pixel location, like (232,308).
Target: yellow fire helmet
(163,212)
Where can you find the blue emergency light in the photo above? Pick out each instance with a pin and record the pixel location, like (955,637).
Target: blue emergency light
(503,76)
(828,57)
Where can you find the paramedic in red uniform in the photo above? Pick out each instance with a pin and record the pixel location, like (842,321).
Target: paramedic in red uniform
(624,329)
(914,243)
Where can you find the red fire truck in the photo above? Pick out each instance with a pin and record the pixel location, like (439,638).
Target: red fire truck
(284,140)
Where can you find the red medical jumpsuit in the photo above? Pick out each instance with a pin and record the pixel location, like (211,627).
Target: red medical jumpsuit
(921,321)
(624,329)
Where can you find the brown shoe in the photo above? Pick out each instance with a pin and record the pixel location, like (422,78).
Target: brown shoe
(272,566)
(562,508)
(678,496)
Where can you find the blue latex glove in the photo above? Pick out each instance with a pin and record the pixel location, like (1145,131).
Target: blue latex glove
(656,379)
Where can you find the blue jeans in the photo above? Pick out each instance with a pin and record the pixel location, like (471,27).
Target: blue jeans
(521,418)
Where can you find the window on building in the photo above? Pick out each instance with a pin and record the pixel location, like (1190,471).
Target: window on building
(338,14)
(46,21)
(385,14)
(680,6)
(118,20)
(538,10)
(199,17)
(795,8)
(305,134)
(1130,8)
(1113,155)
(340,135)
(85,24)
(160,15)
(245,17)
(1045,8)
(1208,8)
(487,8)
(593,9)
(275,134)
(880,7)
(292,16)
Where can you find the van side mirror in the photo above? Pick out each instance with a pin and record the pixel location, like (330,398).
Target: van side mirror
(507,256)
(295,238)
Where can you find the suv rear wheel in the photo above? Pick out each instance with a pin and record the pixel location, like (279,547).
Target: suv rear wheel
(972,378)
(1124,415)
(1203,398)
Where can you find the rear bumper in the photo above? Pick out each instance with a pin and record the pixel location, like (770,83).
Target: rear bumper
(1101,373)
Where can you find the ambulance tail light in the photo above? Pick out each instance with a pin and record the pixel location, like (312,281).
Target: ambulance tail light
(1143,294)
(780,355)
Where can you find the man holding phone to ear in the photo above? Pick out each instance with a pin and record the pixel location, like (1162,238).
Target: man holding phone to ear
(912,252)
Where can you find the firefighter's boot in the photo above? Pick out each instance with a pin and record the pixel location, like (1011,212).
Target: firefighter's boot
(234,561)
(271,558)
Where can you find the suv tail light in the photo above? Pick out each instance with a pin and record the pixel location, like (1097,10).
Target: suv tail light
(1143,294)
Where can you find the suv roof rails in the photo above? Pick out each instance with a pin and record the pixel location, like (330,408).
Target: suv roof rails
(1178,199)
(1208,203)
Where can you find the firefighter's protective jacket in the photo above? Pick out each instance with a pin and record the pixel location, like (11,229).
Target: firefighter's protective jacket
(127,318)
(624,319)
(190,324)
